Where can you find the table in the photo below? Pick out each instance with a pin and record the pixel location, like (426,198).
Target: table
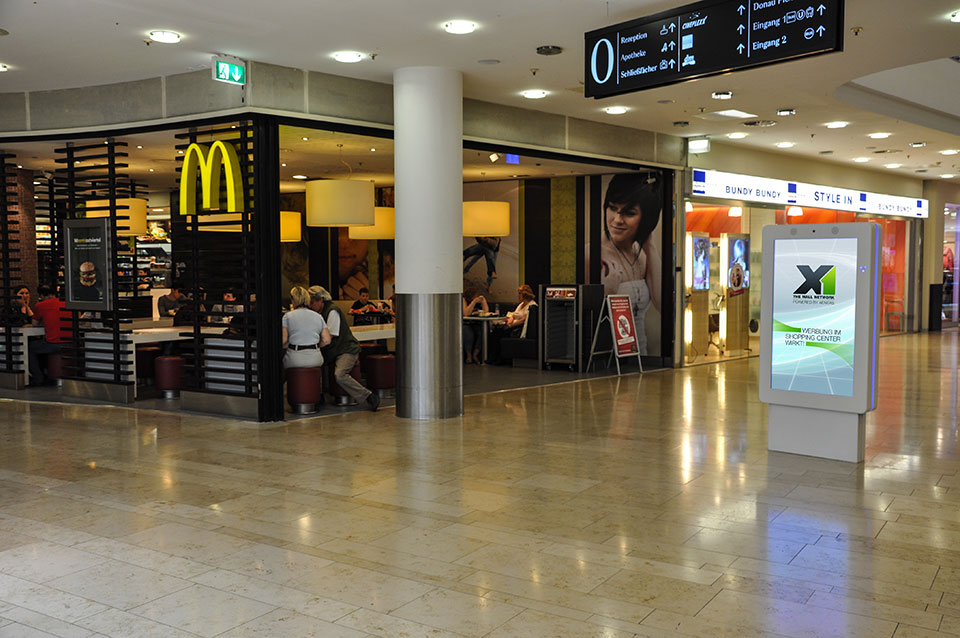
(22,335)
(486,322)
(375,332)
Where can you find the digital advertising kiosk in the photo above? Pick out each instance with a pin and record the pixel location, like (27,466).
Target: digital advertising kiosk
(818,353)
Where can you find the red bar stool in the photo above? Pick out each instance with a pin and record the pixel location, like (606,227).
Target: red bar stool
(382,373)
(304,389)
(168,372)
(341,396)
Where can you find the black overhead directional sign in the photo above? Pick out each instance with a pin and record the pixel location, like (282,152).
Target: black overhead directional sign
(708,38)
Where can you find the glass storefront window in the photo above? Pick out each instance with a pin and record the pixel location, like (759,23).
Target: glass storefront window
(951,266)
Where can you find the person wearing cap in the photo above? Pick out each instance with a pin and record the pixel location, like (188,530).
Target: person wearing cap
(344,349)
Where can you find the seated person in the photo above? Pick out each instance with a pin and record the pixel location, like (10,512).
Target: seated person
(363,304)
(471,330)
(227,308)
(304,332)
(22,305)
(515,324)
(170,303)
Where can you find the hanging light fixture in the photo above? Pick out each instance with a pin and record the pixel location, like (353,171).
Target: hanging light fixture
(340,202)
(794,211)
(132,207)
(384,226)
(290,229)
(486,219)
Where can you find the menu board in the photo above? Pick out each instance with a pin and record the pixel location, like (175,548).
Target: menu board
(814,315)
(87,274)
(707,38)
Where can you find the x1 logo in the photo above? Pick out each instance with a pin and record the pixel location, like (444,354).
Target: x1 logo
(822,281)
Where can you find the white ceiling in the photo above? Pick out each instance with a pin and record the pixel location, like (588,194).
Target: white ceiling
(66,43)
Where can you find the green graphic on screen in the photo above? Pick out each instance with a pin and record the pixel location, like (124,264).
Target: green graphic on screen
(814,315)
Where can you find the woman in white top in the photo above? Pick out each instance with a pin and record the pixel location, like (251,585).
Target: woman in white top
(518,316)
(304,332)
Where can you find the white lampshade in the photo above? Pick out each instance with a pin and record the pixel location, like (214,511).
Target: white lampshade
(136,210)
(289,226)
(340,202)
(486,219)
(794,211)
(385,226)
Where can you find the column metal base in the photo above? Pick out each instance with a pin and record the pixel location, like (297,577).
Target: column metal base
(429,369)
(821,433)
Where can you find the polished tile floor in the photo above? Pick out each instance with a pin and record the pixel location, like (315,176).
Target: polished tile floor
(605,508)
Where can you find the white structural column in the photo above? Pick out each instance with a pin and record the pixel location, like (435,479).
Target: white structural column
(428,167)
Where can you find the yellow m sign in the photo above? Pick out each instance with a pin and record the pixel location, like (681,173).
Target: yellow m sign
(215,161)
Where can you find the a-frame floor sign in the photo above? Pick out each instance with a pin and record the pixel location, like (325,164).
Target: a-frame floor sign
(618,315)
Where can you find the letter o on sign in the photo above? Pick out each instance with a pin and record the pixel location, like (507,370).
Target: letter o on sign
(593,61)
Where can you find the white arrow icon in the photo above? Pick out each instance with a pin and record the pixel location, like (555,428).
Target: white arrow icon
(236,74)
(673,63)
(672,27)
(741,9)
(740,29)
(740,48)
(820,30)
(673,45)
(821,9)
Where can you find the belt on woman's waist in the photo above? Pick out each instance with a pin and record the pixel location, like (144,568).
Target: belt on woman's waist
(310,347)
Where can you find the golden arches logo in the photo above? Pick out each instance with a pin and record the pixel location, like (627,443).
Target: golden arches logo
(214,161)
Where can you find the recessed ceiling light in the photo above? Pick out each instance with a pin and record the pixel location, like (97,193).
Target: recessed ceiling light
(698,145)
(760,123)
(299,177)
(373,150)
(837,124)
(180,152)
(151,170)
(615,110)
(786,112)
(948,176)
(879,136)
(955,17)
(165,37)
(347,57)
(893,165)
(785,144)
(549,49)
(36,183)
(534,94)
(283,164)
(459,27)
(667,101)
(736,136)
(861,160)
(3,68)
(305,139)
(140,146)
(158,210)
(722,95)
(489,61)
(732,113)
(681,123)
(917,144)
(950,151)
(19,165)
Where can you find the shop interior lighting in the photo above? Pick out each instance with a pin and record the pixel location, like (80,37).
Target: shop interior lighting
(722,95)
(785,144)
(837,124)
(494,157)
(139,146)
(615,110)
(348,57)
(534,94)
(165,37)
(893,165)
(305,139)
(786,112)
(340,202)
(955,17)
(948,176)
(283,164)
(917,144)
(373,150)
(459,27)
(290,226)
(950,151)
(735,211)
(736,136)
(486,219)
(299,177)
(698,145)
(861,160)
(3,68)
(794,211)
(733,113)
(688,207)
(879,136)
(384,225)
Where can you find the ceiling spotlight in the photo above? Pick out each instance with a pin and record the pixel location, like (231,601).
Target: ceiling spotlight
(549,49)
(165,37)
(459,27)
(736,136)
(180,152)
(861,160)
(534,94)
(373,150)
(794,211)
(955,17)
(158,210)
(681,123)
(347,57)
(948,176)
(494,157)
(892,165)
(3,68)
(299,177)
(140,146)
(837,124)
(786,112)
(879,136)
(698,145)
(917,144)
(305,139)
(283,164)
(488,61)
(785,144)
(615,110)
(722,95)
(151,170)
(950,151)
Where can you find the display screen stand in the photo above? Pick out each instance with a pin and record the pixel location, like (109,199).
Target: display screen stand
(821,433)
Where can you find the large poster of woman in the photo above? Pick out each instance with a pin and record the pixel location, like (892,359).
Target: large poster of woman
(630,249)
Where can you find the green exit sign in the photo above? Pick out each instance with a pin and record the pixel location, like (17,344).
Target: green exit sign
(231,72)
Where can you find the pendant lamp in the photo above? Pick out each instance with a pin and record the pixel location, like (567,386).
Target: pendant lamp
(486,219)
(384,225)
(289,226)
(340,202)
(133,208)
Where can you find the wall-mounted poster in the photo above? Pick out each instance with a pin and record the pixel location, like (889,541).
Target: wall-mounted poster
(88,279)
(738,271)
(630,249)
(701,263)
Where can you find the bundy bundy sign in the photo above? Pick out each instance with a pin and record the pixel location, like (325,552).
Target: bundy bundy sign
(707,38)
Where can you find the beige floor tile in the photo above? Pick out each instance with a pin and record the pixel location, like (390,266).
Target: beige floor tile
(535,624)
(458,613)
(283,622)
(361,587)
(791,619)
(865,566)
(906,631)
(875,610)
(657,591)
(745,545)
(611,558)
(40,562)
(18,630)
(281,566)
(401,559)
(110,522)
(950,625)
(49,509)
(44,531)
(538,567)
(699,627)
(347,525)
(45,600)
(219,611)
(119,585)
(947,580)
(187,542)
(486,535)
(559,482)
(387,626)
(40,623)
(146,558)
(429,544)
(120,624)
(475,500)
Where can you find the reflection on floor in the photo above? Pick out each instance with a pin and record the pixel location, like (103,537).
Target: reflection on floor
(611,507)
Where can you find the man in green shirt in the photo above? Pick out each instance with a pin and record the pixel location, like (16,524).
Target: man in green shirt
(344,350)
